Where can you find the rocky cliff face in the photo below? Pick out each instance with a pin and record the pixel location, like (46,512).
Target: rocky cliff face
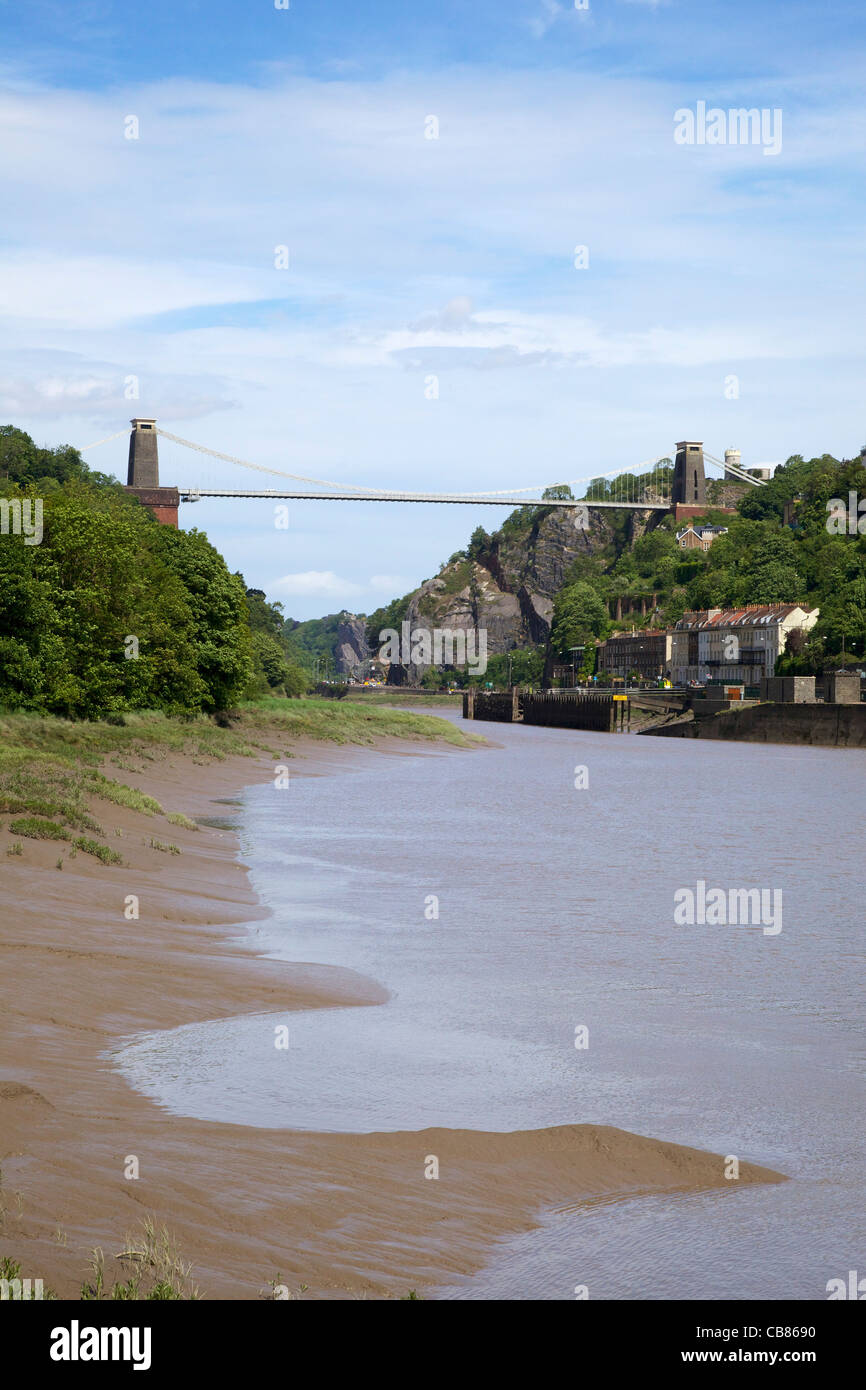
(508,588)
(350,645)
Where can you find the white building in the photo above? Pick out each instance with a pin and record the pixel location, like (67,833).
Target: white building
(739,645)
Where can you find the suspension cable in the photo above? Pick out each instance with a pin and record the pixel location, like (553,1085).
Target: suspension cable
(616,473)
(106,440)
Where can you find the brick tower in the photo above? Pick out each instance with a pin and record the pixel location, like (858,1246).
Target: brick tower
(142,476)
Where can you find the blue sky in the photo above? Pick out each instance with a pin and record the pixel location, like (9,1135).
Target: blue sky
(413,258)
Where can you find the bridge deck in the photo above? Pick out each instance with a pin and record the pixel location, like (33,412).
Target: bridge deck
(195,494)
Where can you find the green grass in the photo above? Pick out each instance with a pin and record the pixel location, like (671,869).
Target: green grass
(102,852)
(152,736)
(350,721)
(29,790)
(35,828)
(122,795)
(49,768)
(178,818)
(408,699)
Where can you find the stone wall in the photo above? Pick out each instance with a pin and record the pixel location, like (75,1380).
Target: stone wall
(831,726)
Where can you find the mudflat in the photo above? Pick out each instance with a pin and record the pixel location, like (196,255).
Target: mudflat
(346,1215)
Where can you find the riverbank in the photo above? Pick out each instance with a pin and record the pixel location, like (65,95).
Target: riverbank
(344,1214)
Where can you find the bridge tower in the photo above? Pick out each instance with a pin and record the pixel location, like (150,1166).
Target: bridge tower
(690,483)
(143,469)
(142,476)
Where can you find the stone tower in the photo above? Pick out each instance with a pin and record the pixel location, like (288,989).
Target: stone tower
(142,478)
(143,470)
(733,459)
(690,484)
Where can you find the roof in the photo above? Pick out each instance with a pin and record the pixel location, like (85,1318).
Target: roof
(752,615)
(701,530)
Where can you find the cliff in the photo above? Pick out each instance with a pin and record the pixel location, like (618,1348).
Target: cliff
(506,583)
(350,644)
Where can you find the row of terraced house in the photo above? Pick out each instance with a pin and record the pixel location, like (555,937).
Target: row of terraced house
(736,645)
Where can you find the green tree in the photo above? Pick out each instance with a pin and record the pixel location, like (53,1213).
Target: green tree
(578,616)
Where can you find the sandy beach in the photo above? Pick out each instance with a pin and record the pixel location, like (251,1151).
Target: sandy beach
(345,1215)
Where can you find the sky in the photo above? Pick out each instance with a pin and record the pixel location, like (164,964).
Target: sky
(342,240)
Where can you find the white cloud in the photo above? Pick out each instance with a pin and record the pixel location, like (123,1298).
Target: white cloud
(48,385)
(315,584)
(102,291)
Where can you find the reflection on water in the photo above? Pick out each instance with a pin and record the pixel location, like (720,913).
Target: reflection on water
(555,910)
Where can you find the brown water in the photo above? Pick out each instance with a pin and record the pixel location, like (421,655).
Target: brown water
(556,911)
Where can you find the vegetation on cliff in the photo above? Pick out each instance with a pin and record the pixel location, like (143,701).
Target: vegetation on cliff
(628,569)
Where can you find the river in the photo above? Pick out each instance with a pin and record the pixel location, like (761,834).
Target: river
(513,913)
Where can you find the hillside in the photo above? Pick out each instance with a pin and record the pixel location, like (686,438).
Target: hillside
(540,585)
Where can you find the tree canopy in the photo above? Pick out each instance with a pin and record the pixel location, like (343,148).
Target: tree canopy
(112,611)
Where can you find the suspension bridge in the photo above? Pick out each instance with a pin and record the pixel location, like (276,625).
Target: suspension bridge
(657,484)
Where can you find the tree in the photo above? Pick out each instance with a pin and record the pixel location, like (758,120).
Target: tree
(22,461)
(218,603)
(479,542)
(578,616)
(587,667)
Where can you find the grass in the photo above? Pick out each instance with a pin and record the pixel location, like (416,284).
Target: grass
(350,721)
(102,852)
(411,698)
(35,828)
(50,774)
(155,1271)
(122,795)
(150,735)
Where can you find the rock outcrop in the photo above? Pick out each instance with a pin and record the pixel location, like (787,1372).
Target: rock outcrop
(508,587)
(350,645)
